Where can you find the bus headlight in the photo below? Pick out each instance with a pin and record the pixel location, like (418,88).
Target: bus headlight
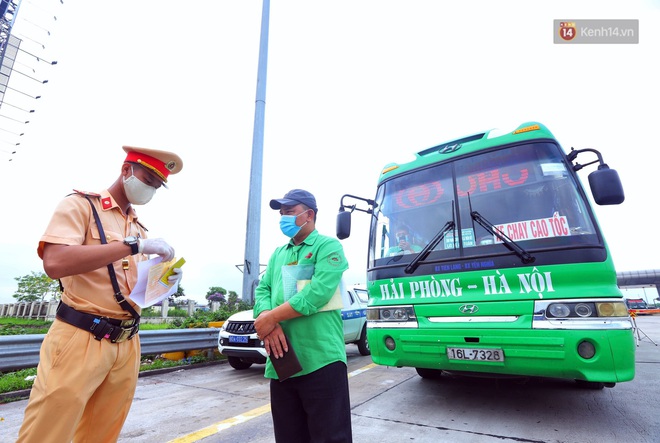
(585,309)
(391,317)
(612,309)
(603,313)
(559,310)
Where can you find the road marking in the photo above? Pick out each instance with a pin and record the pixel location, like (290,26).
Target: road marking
(361,370)
(221,426)
(242,418)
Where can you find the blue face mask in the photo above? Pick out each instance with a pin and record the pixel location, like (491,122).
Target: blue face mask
(288,225)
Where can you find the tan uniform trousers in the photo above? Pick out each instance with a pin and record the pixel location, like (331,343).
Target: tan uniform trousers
(83,390)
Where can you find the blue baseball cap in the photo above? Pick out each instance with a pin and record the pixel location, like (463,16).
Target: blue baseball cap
(295,197)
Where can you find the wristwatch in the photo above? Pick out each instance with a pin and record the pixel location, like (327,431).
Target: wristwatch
(132,241)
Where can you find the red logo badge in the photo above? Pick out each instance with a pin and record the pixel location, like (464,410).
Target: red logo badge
(567,30)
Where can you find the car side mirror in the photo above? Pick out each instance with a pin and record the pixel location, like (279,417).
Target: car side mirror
(343,225)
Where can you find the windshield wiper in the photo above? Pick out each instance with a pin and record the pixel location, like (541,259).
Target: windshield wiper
(428,248)
(525,256)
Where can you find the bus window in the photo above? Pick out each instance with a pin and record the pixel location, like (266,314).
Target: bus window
(411,210)
(523,192)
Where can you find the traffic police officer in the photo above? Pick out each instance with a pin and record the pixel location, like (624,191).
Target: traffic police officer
(90,358)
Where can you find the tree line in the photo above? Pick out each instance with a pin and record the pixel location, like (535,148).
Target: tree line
(38,287)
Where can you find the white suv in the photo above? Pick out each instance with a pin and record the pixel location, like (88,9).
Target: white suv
(238,340)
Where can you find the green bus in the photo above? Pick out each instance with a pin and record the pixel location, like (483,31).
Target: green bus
(486,258)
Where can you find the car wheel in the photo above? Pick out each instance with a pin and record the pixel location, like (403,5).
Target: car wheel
(237,363)
(363,343)
(432,374)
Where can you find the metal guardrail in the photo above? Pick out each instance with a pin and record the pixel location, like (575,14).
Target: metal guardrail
(22,351)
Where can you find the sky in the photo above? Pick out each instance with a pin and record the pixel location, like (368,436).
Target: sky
(350,87)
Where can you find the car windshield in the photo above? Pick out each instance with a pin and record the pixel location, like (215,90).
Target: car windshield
(524,192)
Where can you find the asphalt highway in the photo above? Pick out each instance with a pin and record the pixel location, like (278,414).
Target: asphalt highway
(217,403)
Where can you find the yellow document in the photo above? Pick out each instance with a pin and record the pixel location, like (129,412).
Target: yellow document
(170,271)
(156,288)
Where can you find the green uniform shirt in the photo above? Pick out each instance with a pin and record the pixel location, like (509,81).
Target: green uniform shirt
(317,337)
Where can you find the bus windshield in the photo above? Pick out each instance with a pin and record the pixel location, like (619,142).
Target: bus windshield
(525,192)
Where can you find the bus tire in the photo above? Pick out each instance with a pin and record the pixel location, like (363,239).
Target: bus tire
(595,385)
(363,342)
(431,374)
(237,363)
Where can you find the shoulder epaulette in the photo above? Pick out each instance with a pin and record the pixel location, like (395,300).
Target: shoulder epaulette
(90,194)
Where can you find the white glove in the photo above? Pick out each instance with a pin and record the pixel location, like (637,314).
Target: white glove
(156,246)
(176,277)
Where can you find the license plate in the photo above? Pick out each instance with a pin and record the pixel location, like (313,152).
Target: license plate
(238,339)
(475,354)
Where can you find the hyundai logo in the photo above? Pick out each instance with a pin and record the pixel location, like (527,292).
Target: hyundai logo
(469,309)
(447,149)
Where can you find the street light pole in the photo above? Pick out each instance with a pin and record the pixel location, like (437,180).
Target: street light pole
(253,226)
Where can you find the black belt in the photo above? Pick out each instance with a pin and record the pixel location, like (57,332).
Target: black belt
(113,329)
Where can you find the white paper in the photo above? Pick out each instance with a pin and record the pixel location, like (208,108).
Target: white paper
(148,290)
(290,276)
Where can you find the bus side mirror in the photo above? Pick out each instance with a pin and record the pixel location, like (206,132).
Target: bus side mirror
(606,186)
(343,225)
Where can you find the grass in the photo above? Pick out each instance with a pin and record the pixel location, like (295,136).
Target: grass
(21,326)
(16,381)
(153,326)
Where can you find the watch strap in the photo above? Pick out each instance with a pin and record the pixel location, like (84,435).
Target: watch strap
(134,244)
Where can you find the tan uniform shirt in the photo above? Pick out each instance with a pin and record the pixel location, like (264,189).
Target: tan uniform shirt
(73,224)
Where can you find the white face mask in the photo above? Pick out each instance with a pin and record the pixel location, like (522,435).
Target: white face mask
(137,192)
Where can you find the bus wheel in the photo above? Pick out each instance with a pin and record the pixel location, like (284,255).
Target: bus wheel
(596,385)
(432,374)
(363,343)
(237,363)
